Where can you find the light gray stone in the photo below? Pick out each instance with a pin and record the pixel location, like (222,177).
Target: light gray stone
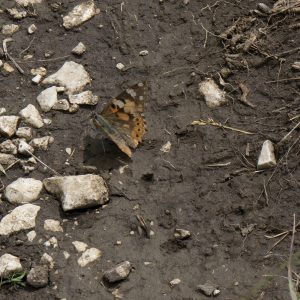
(181,234)
(7,159)
(38,276)
(10,29)
(8,147)
(47,260)
(266,157)
(89,256)
(32,29)
(76,192)
(39,71)
(21,218)
(62,104)
(24,132)
(8,125)
(79,49)
(84,98)
(2,109)
(213,95)
(52,225)
(80,14)
(47,98)
(208,289)
(24,148)
(9,265)
(32,116)
(80,246)
(71,75)
(118,273)
(42,143)
(17,14)
(23,190)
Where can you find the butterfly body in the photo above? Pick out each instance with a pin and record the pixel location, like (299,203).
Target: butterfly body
(122,119)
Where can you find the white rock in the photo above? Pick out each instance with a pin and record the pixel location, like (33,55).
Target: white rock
(79,49)
(75,192)
(9,265)
(174,282)
(89,256)
(2,111)
(7,159)
(24,132)
(53,225)
(39,71)
(10,29)
(17,14)
(47,121)
(8,125)
(166,147)
(7,68)
(80,14)
(47,260)
(47,98)
(8,147)
(1,65)
(23,190)
(32,29)
(21,218)
(69,151)
(62,104)
(144,53)
(267,157)
(52,242)
(31,235)
(27,2)
(296,65)
(84,98)
(42,143)
(117,273)
(31,116)
(71,75)
(37,79)
(181,234)
(80,246)
(73,108)
(24,148)
(120,66)
(213,95)
(66,254)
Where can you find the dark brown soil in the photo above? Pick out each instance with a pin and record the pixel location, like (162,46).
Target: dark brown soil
(174,190)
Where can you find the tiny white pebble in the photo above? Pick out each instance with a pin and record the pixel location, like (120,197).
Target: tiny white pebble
(120,66)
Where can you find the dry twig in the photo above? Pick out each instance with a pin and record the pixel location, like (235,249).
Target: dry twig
(8,56)
(213,123)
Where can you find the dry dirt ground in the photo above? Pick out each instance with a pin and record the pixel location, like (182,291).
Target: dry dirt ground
(177,189)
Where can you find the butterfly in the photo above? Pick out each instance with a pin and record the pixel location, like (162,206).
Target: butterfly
(122,119)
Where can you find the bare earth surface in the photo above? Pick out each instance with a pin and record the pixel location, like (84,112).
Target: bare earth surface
(178,189)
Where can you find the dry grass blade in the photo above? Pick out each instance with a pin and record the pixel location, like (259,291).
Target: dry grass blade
(213,123)
(290,278)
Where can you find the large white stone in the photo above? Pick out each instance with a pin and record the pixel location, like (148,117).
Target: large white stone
(75,192)
(9,265)
(23,190)
(21,218)
(47,98)
(80,14)
(84,98)
(32,116)
(89,256)
(71,75)
(213,95)
(24,132)
(266,157)
(8,125)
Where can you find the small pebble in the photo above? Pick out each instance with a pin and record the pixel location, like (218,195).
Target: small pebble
(120,66)
(32,29)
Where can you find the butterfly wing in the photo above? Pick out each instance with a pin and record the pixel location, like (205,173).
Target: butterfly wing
(122,119)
